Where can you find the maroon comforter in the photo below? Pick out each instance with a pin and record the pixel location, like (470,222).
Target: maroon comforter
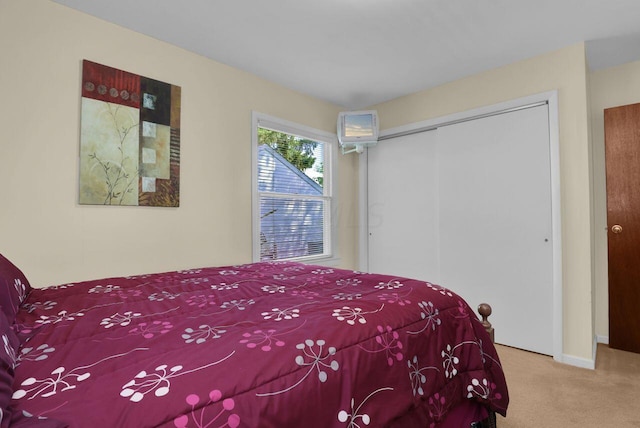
(259,345)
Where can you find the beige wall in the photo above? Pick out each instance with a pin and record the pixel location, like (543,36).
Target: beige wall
(42,227)
(611,87)
(564,70)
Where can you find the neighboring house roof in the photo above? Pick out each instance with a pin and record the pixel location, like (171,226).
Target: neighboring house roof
(286,174)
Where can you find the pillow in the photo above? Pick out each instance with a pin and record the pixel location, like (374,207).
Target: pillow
(14,288)
(8,350)
(6,380)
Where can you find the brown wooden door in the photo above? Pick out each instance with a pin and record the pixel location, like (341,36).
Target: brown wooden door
(622,148)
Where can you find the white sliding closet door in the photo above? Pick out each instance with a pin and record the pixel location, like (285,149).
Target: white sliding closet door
(485,231)
(495,222)
(402,210)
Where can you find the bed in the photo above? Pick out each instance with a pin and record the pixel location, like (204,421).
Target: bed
(270,344)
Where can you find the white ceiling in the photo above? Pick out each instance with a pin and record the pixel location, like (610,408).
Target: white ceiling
(356,53)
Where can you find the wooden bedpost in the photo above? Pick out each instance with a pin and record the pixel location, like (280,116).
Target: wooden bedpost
(484,309)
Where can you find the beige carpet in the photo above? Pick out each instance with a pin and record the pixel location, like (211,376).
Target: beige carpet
(544,393)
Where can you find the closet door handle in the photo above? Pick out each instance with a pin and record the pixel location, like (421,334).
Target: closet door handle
(616,228)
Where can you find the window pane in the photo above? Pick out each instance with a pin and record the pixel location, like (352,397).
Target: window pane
(293,205)
(291,228)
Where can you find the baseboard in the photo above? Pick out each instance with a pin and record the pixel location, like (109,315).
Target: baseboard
(584,363)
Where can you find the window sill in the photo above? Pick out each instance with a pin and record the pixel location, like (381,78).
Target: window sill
(324,261)
(330,261)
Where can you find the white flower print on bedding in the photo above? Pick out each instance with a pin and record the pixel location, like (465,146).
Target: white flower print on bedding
(322,271)
(389,285)
(223,286)
(296,268)
(278,314)
(65,315)
(21,290)
(431,314)
(439,289)
(189,271)
(317,361)
(104,289)
(62,286)
(194,281)
(240,304)
(203,333)
(9,351)
(450,361)
(61,381)
(305,294)
(159,382)
(60,317)
(482,388)
(273,289)
(347,296)
(163,295)
(348,282)
(352,418)
(416,375)
(351,315)
(122,320)
(29,353)
(46,306)
(283,277)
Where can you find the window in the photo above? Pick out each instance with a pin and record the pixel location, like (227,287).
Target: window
(292,190)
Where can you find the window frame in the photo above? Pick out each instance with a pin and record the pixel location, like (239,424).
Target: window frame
(261,120)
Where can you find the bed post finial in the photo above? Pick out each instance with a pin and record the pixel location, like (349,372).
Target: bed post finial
(484,309)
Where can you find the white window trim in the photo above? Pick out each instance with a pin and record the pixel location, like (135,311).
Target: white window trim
(331,140)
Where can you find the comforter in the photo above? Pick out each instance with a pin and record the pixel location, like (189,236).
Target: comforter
(276,344)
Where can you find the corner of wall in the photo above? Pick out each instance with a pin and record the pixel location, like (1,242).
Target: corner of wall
(584,363)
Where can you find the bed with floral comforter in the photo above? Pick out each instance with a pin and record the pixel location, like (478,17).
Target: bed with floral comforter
(276,344)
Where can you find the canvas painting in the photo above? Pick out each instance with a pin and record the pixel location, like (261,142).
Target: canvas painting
(129,139)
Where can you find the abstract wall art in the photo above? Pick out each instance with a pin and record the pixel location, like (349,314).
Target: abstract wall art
(129,139)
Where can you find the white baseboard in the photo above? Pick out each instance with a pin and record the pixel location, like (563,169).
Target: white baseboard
(584,363)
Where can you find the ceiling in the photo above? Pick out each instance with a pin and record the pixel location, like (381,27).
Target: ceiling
(357,53)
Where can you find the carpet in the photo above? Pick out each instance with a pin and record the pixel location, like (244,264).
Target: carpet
(545,393)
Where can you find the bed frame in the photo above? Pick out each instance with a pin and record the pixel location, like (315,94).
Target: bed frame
(484,309)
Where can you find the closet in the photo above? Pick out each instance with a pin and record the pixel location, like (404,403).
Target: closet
(468,205)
